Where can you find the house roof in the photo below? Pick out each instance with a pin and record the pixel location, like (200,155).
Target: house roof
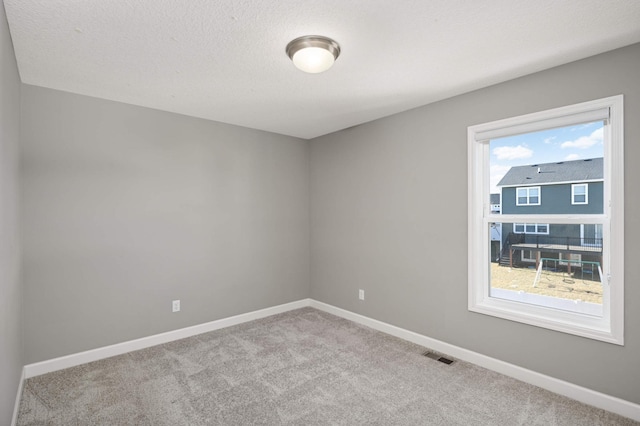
(549,173)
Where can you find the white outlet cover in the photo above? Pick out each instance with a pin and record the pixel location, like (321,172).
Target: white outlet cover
(175,306)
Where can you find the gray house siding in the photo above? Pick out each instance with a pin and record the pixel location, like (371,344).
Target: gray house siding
(555,230)
(555,199)
(558,234)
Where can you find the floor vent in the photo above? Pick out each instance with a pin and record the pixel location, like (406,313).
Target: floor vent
(438,357)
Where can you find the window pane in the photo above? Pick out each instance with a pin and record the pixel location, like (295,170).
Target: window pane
(560,270)
(553,161)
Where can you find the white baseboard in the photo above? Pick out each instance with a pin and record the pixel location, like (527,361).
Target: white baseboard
(570,390)
(72,360)
(579,393)
(16,406)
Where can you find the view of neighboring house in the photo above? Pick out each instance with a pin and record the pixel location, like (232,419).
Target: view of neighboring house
(565,187)
(494,201)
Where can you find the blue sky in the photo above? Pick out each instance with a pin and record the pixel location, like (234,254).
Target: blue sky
(562,144)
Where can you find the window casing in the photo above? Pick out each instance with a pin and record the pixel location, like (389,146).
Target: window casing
(580,193)
(528,196)
(609,326)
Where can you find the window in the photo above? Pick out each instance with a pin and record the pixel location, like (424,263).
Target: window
(531,228)
(580,193)
(576,248)
(528,256)
(591,235)
(528,196)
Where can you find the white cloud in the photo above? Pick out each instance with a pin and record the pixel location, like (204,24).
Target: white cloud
(585,142)
(512,152)
(598,134)
(549,140)
(572,157)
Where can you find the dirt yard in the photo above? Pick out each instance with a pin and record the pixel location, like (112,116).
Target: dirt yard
(555,284)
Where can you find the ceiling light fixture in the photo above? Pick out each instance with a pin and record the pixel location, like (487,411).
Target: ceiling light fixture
(313,54)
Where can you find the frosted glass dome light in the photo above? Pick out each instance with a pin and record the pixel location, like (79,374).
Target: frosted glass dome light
(313,54)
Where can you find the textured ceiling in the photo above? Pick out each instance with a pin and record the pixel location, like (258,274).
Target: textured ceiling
(224,60)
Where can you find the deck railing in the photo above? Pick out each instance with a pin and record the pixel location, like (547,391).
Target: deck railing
(542,241)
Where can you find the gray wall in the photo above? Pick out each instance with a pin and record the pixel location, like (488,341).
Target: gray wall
(127,208)
(11,360)
(389,215)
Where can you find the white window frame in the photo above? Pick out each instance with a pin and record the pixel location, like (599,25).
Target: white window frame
(573,193)
(528,189)
(609,327)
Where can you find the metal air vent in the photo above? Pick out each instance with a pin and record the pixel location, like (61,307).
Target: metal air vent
(438,357)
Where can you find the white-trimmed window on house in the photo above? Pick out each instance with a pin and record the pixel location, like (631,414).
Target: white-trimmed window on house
(531,228)
(580,193)
(528,256)
(528,196)
(559,264)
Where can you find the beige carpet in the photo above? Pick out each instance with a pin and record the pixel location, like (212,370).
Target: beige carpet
(303,367)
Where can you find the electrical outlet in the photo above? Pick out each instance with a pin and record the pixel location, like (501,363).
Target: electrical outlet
(361,294)
(175,306)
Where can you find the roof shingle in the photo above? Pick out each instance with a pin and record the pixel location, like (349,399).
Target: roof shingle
(549,173)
